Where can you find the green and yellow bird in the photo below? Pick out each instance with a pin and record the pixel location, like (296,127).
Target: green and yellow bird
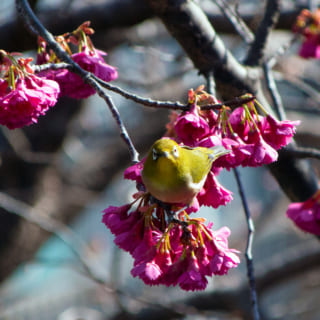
(174,173)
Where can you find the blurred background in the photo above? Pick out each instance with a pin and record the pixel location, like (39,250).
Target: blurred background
(58,261)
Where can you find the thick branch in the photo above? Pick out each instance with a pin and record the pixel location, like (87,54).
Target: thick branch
(108,16)
(296,177)
(189,25)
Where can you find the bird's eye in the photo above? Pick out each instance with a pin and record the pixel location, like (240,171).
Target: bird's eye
(154,154)
(175,152)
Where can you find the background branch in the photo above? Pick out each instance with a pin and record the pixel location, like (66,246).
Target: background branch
(239,25)
(111,19)
(207,52)
(270,18)
(279,270)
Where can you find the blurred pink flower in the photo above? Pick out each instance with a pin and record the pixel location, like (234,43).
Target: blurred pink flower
(306,215)
(310,48)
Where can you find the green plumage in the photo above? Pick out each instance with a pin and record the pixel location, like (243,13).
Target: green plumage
(174,173)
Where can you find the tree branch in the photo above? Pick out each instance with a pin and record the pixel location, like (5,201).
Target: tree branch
(111,18)
(271,17)
(300,152)
(273,90)
(35,26)
(189,25)
(44,221)
(239,25)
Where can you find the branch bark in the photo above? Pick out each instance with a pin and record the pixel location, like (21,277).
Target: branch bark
(110,18)
(188,24)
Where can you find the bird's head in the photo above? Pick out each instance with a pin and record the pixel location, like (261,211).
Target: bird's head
(166,148)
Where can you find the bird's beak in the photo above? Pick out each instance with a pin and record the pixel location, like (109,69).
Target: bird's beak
(165,154)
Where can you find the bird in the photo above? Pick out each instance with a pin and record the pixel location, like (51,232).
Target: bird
(174,173)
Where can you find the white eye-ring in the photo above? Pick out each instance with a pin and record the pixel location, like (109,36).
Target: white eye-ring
(154,154)
(175,152)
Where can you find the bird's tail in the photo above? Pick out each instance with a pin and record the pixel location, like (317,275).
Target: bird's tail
(217,152)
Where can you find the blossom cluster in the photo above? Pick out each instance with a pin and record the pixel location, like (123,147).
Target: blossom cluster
(253,139)
(87,57)
(168,250)
(25,95)
(308,25)
(167,245)
(306,215)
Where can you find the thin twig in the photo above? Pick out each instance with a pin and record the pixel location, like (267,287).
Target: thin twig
(51,66)
(302,86)
(21,148)
(270,18)
(35,26)
(248,254)
(237,22)
(233,103)
(45,222)
(130,96)
(273,59)
(116,115)
(141,100)
(273,90)
(72,240)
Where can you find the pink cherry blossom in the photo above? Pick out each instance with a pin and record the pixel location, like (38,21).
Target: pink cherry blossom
(222,258)
(146,249)
(190,127)
(222,262)
(130,239)
(278,133)
(72,84)
(116,218)
(213,193)
(310,48)
(181,253)
(192,279)
(31,97)
(148,271)
(306,215)
(134,172)
(239,123)
(153,269)
(261,152)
